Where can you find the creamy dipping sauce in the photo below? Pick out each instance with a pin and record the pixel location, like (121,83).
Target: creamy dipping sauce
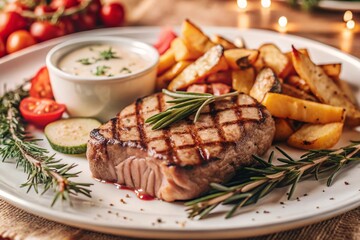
(102,60)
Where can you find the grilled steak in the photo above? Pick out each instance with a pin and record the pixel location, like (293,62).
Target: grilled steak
(179,162)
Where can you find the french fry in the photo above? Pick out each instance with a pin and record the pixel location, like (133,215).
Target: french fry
(302,50)
(316,136)
(194,38)
(212,61)
(182,51)
(332,70)
(220,77)
(243,79)
(324,88)
(266,81)
(298,83)
(289,56)
(241,58)
(239,42)
(346,88)
(165,78)
(259,64)
(166,61)
(217,39)
(275,59)
(283,106)
(297,93)
(283,130)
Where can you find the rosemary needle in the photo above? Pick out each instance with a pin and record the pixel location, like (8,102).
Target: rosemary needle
(185,104)
(251,184)
(43,169)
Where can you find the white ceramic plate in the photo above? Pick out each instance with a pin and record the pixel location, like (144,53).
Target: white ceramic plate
(339,5)
(106,213)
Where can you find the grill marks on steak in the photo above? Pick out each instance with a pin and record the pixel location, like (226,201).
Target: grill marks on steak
(184,143)
(180,161)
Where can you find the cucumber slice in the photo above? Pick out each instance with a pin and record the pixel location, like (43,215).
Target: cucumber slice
(70,136)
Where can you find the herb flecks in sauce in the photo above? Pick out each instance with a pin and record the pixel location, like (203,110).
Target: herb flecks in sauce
(108,54)
(84,61)
(88,61)
(101,70)
(125,70)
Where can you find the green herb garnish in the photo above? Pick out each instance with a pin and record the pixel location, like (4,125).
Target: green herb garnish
(42,168)
(84,61)
(101,70)
(186,104)
(251,184)
(125,69)
(108,54)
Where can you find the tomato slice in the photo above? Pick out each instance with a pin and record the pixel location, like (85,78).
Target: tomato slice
(41,111)
(166,36)
(40,85)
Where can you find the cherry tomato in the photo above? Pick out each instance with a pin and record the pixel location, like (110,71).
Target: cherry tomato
(43,31)
(41,112)
(166,36)
(63,3)
(40,85)
(113,14)
(67,25)
(10,22)
(15,7)
(94,7)
(85,21)
(18,40)
(2,48)
(43,9)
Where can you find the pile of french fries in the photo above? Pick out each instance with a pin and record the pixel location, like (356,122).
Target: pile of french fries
(309,102)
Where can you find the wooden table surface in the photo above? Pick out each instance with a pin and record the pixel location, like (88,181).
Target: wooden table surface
(323,26)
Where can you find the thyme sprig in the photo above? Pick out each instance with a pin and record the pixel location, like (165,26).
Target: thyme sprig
(185,104)
(43,169)
(254,183)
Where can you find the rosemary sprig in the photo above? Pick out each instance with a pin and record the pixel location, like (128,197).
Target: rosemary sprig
(42,169)
(185,104)
(255,183)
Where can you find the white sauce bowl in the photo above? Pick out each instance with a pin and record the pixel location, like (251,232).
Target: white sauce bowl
(101,97)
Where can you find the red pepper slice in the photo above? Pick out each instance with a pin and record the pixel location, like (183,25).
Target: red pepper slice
(167,35)
(197,88)
(220,89)
(40,85)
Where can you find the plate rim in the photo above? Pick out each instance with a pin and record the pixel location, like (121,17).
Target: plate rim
(169,233)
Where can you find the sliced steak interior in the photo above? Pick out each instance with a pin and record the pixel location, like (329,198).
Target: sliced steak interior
(179,162)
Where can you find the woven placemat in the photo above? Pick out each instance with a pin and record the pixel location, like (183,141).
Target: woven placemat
(16,224)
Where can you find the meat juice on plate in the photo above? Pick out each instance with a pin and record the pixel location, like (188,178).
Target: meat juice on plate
(140,193)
